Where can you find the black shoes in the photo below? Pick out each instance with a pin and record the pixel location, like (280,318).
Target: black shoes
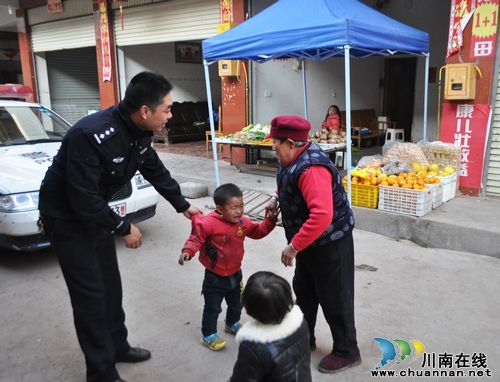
(134,355)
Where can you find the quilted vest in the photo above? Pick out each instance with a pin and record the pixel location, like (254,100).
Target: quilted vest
(293,207)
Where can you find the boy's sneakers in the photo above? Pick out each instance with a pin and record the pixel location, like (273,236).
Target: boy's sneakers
(232,329)
(213,342)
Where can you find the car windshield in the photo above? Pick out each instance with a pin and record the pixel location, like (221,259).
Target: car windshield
(20,125)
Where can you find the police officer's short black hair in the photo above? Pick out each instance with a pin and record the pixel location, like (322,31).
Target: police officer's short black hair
(146,88)
(267,297)
(225,192)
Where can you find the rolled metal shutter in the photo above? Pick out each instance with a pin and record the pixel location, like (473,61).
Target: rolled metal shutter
(73,78)
(64,34)
(176,20)
(493,177)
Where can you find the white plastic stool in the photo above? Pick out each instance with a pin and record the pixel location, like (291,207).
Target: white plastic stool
(393,135)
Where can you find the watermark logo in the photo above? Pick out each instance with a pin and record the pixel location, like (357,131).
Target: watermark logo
(389,352)
(400,358)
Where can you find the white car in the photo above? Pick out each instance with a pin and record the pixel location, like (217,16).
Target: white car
(30,136)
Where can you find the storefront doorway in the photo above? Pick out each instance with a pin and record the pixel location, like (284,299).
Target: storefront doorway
(399,92)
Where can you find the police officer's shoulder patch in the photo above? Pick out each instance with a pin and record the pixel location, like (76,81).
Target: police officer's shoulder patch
(104,134)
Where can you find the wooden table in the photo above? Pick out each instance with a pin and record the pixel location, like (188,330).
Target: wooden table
(252,152)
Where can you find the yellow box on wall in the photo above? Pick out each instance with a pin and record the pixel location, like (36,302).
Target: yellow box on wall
(222,27)
(229,68)
(460,83)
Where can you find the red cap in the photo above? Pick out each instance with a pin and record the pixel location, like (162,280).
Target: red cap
(290,127)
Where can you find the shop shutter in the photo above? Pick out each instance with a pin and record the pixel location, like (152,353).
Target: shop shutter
(64,34)
(176,20)
(73,78)
(493,179)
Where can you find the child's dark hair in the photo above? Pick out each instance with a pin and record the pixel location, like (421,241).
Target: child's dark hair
(267,297)
(225,192)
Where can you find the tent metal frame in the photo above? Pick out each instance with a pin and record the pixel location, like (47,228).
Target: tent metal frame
(327,53)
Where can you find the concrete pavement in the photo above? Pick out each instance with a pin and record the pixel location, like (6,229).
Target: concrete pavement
(464,223)
(446,299)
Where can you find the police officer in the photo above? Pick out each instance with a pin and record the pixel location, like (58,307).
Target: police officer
(98,156)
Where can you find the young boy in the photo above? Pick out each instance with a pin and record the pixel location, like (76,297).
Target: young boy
(219,237)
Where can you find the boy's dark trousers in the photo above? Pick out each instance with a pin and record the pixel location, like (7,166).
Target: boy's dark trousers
(215,289)
(87,256)
(324,275)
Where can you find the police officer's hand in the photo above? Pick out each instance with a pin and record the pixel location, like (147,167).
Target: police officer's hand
(134,238)
(184,257)
(191,211)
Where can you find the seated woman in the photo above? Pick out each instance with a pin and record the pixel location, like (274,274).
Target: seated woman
(332,119)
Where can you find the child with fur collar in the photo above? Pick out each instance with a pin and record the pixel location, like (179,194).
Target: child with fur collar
(274,345)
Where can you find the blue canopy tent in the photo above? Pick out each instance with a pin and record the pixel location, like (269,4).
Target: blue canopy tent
(316,30)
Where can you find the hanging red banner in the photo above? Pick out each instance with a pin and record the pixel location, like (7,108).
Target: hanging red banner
(468,126)
(461,12)
(484,29)
(105,43)
(226,11)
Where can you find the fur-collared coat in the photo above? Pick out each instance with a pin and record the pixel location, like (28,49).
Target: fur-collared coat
(274,352)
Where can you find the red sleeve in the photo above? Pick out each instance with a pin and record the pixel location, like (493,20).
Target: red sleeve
(315,184)
(259,230)
(197,237)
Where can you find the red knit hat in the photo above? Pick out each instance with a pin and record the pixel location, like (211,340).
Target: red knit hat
(290,127)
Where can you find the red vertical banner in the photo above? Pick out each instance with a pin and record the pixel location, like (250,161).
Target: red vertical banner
(484,29)
(105,44)
(467,125)
(226,11)
(460,14)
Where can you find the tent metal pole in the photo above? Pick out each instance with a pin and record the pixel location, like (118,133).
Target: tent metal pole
(347,70)
(426,91)
(304,84)
(212,125)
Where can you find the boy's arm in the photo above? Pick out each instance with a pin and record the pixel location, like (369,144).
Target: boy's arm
(259,230)
(197,237)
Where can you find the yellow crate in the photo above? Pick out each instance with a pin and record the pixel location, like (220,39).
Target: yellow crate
(363,196)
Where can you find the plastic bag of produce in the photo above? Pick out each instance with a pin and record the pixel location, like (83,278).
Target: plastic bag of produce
(396,167)
(406,153)
(373,161)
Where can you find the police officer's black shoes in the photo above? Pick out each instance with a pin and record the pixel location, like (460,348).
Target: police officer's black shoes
(134,355)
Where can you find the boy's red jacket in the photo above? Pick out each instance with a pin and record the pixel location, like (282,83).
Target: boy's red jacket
(227,238)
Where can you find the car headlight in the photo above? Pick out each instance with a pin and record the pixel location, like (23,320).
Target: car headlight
(140,182)
(19,202)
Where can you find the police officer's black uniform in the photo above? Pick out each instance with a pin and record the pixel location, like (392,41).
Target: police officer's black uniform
(98,156)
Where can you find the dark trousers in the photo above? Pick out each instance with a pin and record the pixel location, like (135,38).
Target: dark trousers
(324,275)
(215,289)
(87,256)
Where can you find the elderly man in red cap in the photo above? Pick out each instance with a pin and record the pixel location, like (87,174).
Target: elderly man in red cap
(318,224)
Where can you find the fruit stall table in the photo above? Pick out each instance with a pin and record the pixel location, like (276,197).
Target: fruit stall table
(253,148)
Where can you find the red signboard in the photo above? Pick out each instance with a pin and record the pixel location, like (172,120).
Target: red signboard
(484,29)
(55,6)
(467,125)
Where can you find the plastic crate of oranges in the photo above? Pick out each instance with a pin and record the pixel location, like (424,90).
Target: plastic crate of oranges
(364,187)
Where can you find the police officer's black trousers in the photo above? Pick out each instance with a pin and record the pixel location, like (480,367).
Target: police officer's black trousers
(324,275)
(87,256)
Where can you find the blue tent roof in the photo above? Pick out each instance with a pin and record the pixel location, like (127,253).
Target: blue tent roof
(315,30)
